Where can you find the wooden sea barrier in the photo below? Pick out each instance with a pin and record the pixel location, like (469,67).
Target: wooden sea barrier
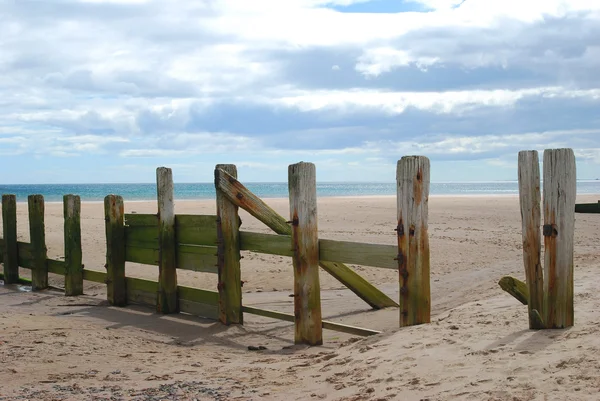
(37,235)
(73,252)
(587,207)
(549,292)
(229,268)
(530,201)
(412,178)
(167,250)
(239,195)
(10,256)
(559,233)
(116,285)
(305,247)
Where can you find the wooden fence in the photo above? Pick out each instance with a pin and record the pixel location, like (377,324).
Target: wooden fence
(548,290)
(213,244)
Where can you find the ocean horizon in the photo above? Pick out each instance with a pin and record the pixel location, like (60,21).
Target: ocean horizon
(198,191)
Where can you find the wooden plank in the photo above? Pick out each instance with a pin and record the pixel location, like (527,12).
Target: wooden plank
(266,243)
(305,245)
(228,263)
(116,287)
(199,309)
(587,207)
(196,229)
(25,253)
(95,276)
(56,266)
(144,256)
(197,258)
(37,235)
(516,288)
(198,295)
(167,252)
(559,231)
(325,324)
(73,253)
(242,197)
(239,195)
(141,220)
(412,177)
(530,200)
(376,255)
(145,234)
(10,253)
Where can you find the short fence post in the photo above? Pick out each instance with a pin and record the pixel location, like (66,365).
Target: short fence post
(73,254)
(167,262)
(530,200)
(115,250)
(11,252)
(305,245)
(559,231)
(37,234)
(412,176)
(230,276)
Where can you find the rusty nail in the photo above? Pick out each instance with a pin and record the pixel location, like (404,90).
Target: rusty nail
(239,195)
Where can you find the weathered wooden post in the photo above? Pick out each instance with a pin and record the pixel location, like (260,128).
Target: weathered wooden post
(115,250)
(73,254)
(305,245)
(530,200)
(167,301)
(37,235)
(230,276)
(559,231)
(412,176)
(10,251)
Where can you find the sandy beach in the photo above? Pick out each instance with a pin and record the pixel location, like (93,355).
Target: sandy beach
(478,346)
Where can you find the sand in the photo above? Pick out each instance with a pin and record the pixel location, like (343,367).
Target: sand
(478,346)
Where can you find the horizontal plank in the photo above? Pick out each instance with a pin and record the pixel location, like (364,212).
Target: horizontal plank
(95,276)
(375,255)
(194,301)
(56,266)
(198,295)
(135,219)
(141,255)
(365,254)
(197,258)
(142,234)
(196,229)
(25,255)
(587,207)
(344,328)
(199,309)
(194,220)
(271,244)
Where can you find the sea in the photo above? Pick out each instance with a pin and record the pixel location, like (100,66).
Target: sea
(192,191)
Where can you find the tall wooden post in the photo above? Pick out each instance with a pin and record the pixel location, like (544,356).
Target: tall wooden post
(37,235)
(412,176)
(73,254)
(559,231)
(305,245)
(230,276)
(167,261)
(115,250)
(10,251)
(530,200)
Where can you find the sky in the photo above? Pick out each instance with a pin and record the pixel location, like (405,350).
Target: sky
(108,90)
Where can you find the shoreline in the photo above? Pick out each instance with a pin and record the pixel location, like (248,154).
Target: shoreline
(334,197)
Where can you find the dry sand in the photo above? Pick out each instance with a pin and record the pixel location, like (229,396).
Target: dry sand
(478,346)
